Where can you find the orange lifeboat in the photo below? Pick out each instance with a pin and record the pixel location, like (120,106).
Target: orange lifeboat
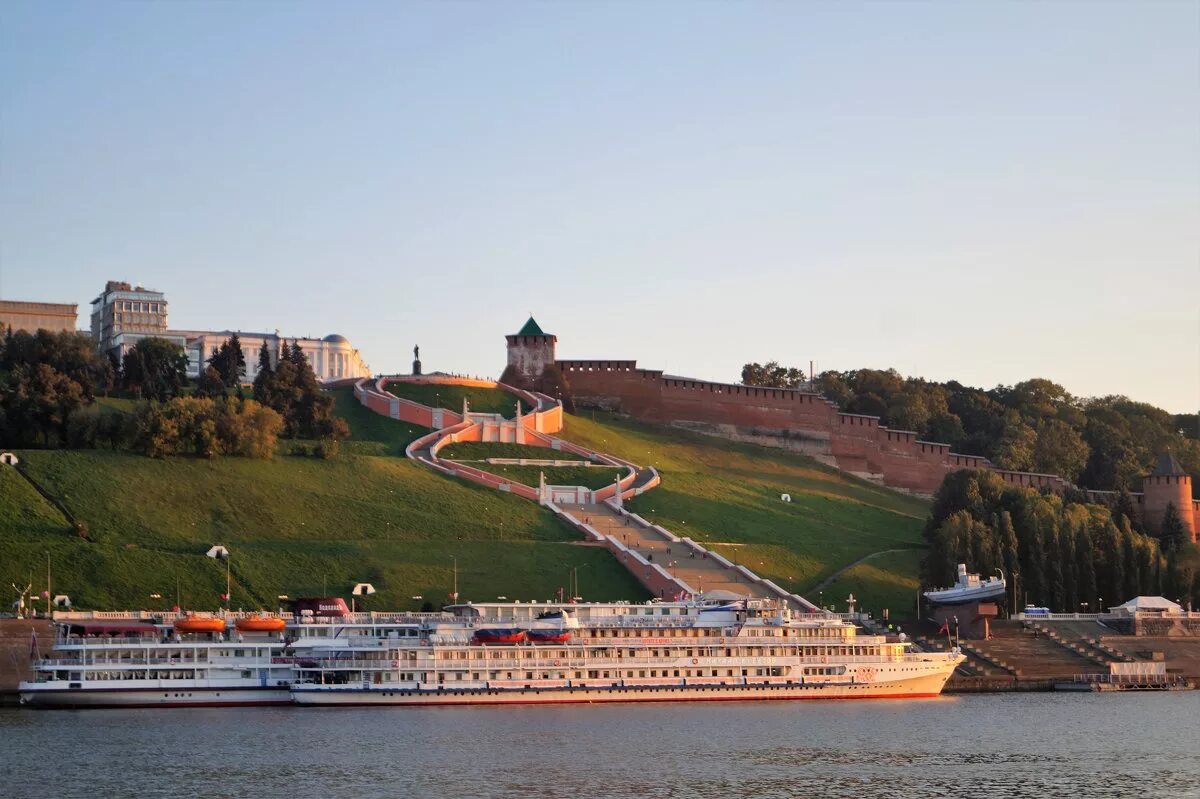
(261,624)
(199,624)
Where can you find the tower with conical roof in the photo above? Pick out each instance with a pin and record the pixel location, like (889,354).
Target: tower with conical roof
(530,353)
(1167,485)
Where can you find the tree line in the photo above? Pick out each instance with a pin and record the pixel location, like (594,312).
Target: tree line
(1104,443)
(1056,551)
(49,383)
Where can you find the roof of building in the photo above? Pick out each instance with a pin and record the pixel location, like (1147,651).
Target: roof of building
(531,328)
(1167,465)
(334,338)
(1151,603)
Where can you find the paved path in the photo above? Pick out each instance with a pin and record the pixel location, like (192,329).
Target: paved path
(700,573)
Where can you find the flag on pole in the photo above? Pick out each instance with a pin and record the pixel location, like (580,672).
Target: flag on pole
(945,628)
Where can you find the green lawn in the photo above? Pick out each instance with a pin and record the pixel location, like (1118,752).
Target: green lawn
(370,433)
(482,400)
(291,524)
(592,477)
(26,509)
(728,495)
(478,450)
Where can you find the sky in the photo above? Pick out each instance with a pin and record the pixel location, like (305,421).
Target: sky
(985,192)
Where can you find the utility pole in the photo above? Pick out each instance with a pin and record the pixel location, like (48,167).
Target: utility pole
(48,590)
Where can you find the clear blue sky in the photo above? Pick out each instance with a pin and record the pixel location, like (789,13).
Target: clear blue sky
(980,191)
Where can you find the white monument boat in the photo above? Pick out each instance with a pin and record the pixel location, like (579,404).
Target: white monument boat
(968,588)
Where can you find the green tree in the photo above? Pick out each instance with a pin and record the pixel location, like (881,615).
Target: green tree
(1059,449)
(211,383)
(264,376)
(772,375)
(155,368)
(1017,443)
(1171,532)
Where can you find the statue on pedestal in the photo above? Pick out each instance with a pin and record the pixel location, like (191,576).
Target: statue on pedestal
(416,368)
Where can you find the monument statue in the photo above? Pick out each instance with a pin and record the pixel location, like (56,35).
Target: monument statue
(416,369)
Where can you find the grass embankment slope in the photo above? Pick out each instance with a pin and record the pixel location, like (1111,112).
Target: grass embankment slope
(450,397)
(728,495)
(293,525)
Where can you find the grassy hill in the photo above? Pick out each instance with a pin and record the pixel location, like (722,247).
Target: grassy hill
(728,495)
(301,526)
(481,400)
(293,525)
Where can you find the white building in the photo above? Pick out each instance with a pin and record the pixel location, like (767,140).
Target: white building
(331,358)
(124,314)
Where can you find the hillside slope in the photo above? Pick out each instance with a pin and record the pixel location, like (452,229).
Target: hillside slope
(294,525)
(305,526)
(728,495)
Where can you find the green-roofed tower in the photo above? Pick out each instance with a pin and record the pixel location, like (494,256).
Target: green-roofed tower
(530,328)
(530,354)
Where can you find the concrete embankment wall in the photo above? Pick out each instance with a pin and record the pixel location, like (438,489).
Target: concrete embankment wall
(15,662)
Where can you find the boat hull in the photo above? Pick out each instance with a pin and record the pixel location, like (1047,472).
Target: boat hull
(38,697)
(926,686)
(954,597)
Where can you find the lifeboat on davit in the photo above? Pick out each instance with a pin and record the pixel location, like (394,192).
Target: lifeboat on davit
(552,627)
(537,636)
(199,624)
(499,635)
(261,624)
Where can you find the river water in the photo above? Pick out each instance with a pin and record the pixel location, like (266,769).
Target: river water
(1000,745)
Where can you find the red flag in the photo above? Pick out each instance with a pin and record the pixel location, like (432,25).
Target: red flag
(945,628)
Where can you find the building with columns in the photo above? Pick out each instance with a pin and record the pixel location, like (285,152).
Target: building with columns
(331,357)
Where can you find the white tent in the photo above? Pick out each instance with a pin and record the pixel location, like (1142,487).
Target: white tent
(1147,604)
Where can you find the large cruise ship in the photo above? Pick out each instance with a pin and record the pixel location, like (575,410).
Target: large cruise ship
(717,647)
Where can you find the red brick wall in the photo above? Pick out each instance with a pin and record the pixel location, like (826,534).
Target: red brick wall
(856,443)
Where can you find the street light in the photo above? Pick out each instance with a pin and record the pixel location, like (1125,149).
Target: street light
(218,552)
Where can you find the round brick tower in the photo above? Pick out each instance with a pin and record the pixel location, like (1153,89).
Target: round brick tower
(1168,484)
(530,352)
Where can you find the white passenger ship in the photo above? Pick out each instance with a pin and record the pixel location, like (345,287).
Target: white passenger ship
(147,660)
(717,648)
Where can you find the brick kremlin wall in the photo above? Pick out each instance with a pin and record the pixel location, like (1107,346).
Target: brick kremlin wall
(852,442)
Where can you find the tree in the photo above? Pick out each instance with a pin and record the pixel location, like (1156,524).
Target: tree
(211,383)
(772,375)
(946,428)
(155,368)
(1017,442)
(1059,450)
(1085,567)
(229,361)
(1171,532)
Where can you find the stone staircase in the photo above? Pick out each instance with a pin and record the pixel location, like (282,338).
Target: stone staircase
(1081,638)
(1031,654)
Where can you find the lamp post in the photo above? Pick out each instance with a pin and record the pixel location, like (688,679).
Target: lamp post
(218,552)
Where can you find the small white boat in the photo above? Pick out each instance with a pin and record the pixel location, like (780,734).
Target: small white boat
(969,588)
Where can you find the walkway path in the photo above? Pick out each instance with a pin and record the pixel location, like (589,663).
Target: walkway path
(821,586)
(701,573)
(667,566)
